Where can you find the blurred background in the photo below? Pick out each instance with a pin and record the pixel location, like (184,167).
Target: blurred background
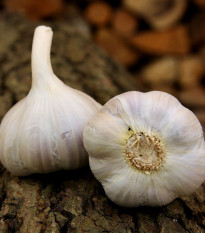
(160,42)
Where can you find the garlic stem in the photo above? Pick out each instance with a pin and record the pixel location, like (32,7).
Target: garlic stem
(40,60)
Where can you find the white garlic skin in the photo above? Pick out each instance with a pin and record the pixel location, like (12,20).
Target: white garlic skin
(43,132)
(160,122)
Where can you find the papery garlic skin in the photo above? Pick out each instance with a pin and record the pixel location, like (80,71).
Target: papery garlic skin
(146,149)
(43,132)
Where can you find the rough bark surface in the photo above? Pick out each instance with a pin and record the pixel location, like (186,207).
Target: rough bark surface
(73,201)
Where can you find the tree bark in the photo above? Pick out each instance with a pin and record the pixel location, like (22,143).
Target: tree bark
(74,201)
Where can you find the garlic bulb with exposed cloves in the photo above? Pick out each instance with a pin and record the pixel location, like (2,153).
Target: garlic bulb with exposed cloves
(145,149)
(43,132)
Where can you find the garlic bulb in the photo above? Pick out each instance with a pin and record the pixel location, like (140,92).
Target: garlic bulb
(43,132)
(145,149)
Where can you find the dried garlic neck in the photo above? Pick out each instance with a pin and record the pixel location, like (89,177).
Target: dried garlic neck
(145,152)
(42,71)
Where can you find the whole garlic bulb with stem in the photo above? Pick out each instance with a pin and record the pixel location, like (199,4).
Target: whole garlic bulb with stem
(145,149)
(43,132)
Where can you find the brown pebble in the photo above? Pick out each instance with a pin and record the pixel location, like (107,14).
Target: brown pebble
(113,44)
(200,3)
(194,97)
(191,71)
(98,13)
(172,41)
(35,9)
(196,25)
(124,22)
(160,14)
(161,72)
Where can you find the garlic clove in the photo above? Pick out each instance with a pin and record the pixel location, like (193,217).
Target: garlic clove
(43,132)
(145,149)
